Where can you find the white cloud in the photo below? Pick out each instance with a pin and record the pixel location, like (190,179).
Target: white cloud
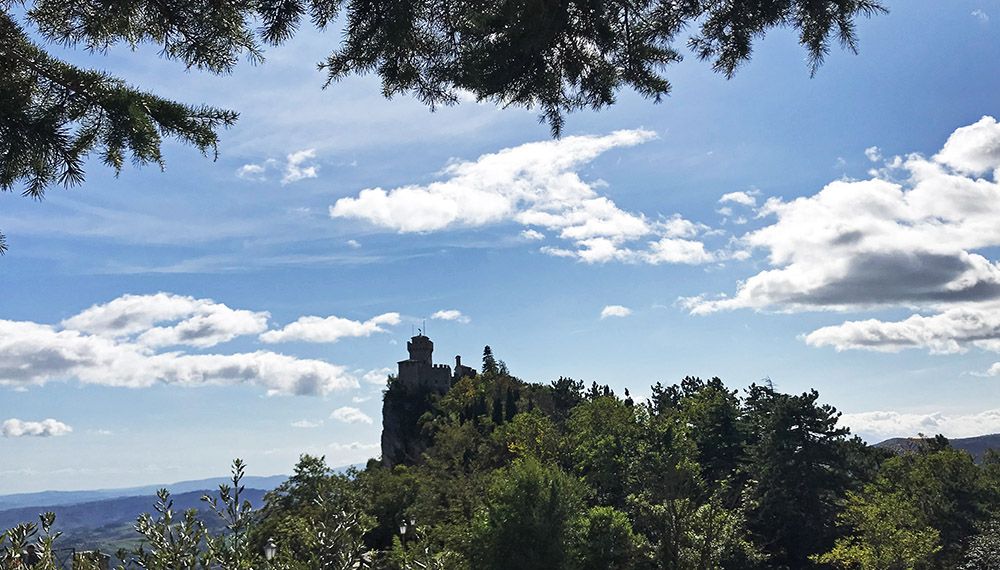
(306,424)
(451,315)
(297,167)
(377,376)
(950,331)
(353,243)
(741,198)
(45,428)
(536,185)
(980,15)
(973,149)
(532,235)
(615,311)
(351,415)
(861,244)
(115,344)
(255,172)
(329,329)
(882,425)
(199,322)
(673,250)
(873,153)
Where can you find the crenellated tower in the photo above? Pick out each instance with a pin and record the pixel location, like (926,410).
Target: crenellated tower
(409,396)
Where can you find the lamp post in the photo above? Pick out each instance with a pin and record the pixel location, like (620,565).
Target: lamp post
(405,527)
(270,549)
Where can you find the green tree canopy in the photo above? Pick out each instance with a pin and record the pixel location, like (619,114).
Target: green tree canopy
(529,520)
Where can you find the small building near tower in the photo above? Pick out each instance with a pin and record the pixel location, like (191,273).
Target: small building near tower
(408,397)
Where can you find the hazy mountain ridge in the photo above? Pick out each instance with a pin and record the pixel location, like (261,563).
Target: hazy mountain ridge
(107,524)
(48,499)
(977,446)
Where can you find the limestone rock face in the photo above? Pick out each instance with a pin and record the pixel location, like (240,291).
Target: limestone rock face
(409,396)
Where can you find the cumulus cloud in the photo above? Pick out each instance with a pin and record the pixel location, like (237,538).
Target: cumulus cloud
(882,425)
(915,235)
(197,322)
(973,149)
(117,344)
(536,185)
(879,242)
(951,331)
(873,153)
(615,311)
(297,166)
(451,315)
(255,172)
(351,415)
(329,329)
(45,428)
(741,198)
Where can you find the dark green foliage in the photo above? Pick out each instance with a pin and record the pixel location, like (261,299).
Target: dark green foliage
(529,476)
(489,362)
(607,541)
(802,464)
(527,521)
(603,437)
(716,422)
(564,56)
(565,394)
(317,518)
(984,548)
(53,115)
(403,407)
(887,532)
(952,494)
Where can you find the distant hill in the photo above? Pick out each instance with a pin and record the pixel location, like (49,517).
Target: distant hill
(107,524)
(62,498)
(976,446)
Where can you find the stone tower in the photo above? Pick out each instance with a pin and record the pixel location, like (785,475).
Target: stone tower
(409,396)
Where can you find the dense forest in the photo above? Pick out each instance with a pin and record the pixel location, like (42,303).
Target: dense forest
(517,475)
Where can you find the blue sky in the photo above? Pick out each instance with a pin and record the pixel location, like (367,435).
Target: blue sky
(871,278)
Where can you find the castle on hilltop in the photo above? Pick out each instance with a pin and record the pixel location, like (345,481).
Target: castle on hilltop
(409,396)
(419,369)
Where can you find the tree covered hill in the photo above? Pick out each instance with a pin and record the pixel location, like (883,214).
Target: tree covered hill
(508,474)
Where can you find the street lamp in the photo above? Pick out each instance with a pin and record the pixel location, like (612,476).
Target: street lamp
(270,549)
(406,525)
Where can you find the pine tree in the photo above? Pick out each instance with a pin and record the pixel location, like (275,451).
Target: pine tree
(557,57)
(489,362)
